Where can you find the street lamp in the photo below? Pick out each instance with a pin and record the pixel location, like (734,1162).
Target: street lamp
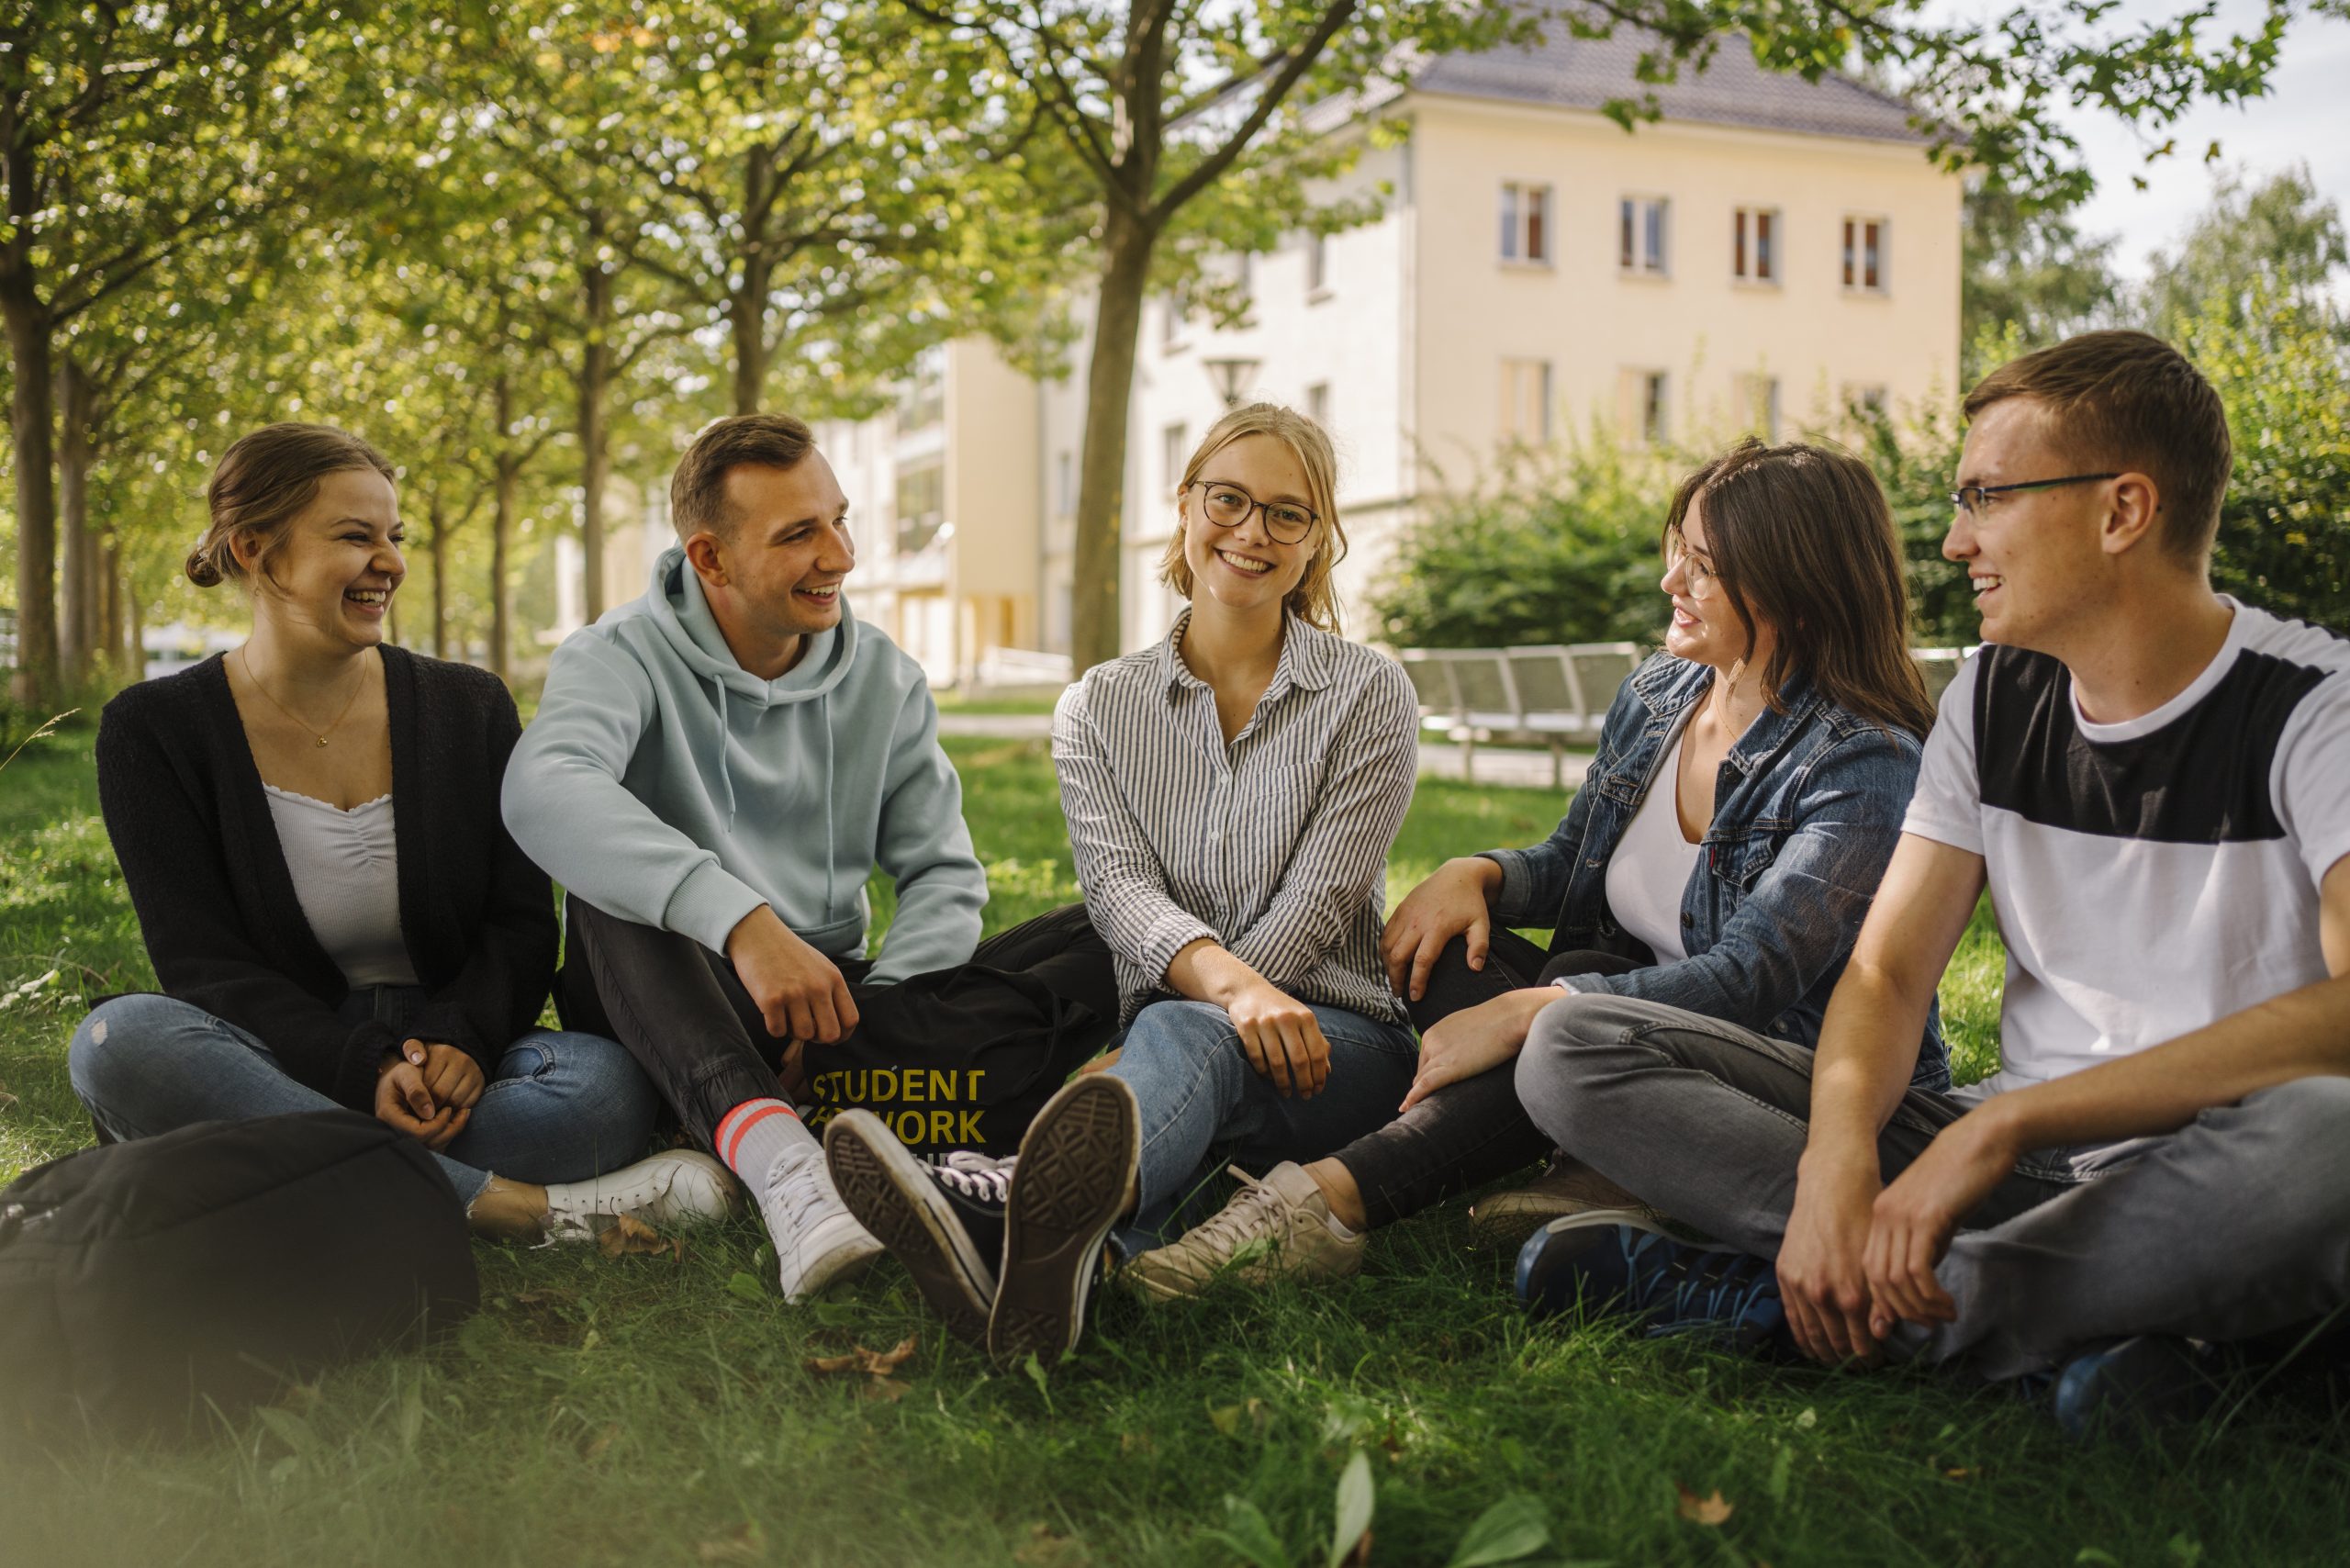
(1231,377)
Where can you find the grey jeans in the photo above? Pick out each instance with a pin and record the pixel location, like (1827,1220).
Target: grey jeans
(2234,1225)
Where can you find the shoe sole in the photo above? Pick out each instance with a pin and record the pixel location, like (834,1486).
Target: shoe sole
(1531,1256)
(1074,1178)
(891,1195)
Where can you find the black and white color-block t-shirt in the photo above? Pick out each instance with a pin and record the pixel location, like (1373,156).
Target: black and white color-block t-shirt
(2154,876)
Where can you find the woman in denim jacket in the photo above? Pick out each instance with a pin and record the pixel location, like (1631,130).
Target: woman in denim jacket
(1789,716)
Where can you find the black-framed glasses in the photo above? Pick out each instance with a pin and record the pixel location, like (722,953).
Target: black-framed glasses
(1228,506)
(1969,499)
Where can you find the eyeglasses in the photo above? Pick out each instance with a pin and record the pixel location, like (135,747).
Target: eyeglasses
(1972,499)
(1228,506)
(1694,571)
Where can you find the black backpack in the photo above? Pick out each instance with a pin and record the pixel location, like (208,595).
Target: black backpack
(212,1265)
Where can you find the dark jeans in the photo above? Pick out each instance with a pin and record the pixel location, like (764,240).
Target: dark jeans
(1469,1132)
(683,1014)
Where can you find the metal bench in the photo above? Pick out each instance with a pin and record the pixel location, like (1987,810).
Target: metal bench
(1552,695)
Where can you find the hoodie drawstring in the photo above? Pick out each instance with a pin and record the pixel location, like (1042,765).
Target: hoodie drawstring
(725,748)
(825,705)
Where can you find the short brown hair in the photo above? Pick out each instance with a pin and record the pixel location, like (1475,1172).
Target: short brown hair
(1801,537)
(698,489)
(1313,600)
(2130,401)
(260,485)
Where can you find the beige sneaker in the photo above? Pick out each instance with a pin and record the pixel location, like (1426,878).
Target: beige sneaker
(1277,1228)
(1567,1186)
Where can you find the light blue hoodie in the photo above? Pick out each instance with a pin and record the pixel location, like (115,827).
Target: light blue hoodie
(664,783)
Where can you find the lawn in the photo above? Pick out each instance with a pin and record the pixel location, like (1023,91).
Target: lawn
(652,1411)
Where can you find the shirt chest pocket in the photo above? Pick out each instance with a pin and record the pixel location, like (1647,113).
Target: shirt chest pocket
(1740,864)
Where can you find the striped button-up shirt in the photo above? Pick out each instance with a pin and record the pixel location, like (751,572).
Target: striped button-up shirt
(1274,847)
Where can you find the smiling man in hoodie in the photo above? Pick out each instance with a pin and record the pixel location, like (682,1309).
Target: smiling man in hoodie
(714,771)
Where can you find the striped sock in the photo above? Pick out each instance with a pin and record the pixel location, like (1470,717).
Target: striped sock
(757,1135)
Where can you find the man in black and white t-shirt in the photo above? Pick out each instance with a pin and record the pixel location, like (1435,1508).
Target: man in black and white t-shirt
(2154,782)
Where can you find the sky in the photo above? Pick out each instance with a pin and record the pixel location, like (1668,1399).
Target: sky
(2305,118)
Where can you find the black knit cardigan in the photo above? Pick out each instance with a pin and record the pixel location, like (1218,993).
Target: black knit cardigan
(200,854)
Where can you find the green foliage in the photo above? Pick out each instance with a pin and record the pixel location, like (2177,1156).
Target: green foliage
(1557,546)
(2030,276)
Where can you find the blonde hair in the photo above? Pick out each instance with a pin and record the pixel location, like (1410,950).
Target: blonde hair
(261,485)
(1313,600)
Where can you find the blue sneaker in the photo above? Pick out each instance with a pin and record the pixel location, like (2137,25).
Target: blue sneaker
(2147,1381)
(1623,1260)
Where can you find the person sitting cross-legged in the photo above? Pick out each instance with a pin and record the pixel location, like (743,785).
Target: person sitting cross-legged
(1720,857)
(2154,782)
(715,772)
(309,830)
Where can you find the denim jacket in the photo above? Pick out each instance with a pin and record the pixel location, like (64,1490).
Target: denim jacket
(1806,810)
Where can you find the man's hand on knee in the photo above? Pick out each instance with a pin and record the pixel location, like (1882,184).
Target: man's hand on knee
(801,993)
(1911,1221)
(1823,1280)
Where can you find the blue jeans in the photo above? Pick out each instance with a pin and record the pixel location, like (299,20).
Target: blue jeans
(1199,1094)
(560,1107)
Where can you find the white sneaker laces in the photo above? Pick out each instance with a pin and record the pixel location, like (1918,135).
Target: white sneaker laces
(803,1189)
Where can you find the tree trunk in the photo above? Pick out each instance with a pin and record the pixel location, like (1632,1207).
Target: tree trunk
(110,621)
(79,574)
(438,550)
(501,532)
(746,307)
(134,627)
(33,427)
(595,457)
(1096,625)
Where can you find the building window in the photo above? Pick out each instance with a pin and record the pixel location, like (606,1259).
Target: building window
(1643,231)
(1175,450)
(1867,264)
(1644,410)
(923,402)
(1526,400)
(1318,267)
(1754,244)
(922,504)
(1864,399)
(1526,222)
(1317,404)
(1757,405)
(1172,322)
(1064,485)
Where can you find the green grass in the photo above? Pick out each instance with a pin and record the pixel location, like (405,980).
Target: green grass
(642,1412)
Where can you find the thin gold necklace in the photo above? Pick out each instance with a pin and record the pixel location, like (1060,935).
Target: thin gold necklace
(320,735)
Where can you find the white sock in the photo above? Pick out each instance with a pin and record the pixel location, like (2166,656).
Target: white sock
(758,1135)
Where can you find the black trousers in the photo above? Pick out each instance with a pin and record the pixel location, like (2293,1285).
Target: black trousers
(681,1012)
(1469,1132)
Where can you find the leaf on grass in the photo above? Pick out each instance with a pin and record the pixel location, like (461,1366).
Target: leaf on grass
(745,1543)
(1231,1421)
(630,1233)
(1035,1371)
(1350,1539)
(1711,1512)
(739,1283)
(884,1390)
(1517,1526)
(601,1443)
(1250,1535)
(879,1363)
(1135,1443)
(290,1430)
(1045,1548)
(6,1099)
(1959,1473)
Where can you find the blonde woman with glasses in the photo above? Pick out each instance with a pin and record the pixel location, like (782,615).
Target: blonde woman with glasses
(1231,792)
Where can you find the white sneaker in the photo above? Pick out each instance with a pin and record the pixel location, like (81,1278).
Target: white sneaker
(817,1240)
(669,1191)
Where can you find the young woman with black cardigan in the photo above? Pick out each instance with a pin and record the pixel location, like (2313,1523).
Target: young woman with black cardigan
(308,828)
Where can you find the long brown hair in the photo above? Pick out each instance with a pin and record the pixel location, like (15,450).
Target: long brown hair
(1801,537)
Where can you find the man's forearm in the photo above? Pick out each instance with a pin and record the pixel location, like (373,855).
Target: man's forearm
(1868,1050)
(2302,1034)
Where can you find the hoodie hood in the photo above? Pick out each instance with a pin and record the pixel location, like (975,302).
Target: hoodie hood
(675,603)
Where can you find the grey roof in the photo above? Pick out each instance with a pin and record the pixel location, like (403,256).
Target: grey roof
(1585,74)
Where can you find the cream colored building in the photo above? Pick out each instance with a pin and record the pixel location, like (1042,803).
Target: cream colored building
(1768,254)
